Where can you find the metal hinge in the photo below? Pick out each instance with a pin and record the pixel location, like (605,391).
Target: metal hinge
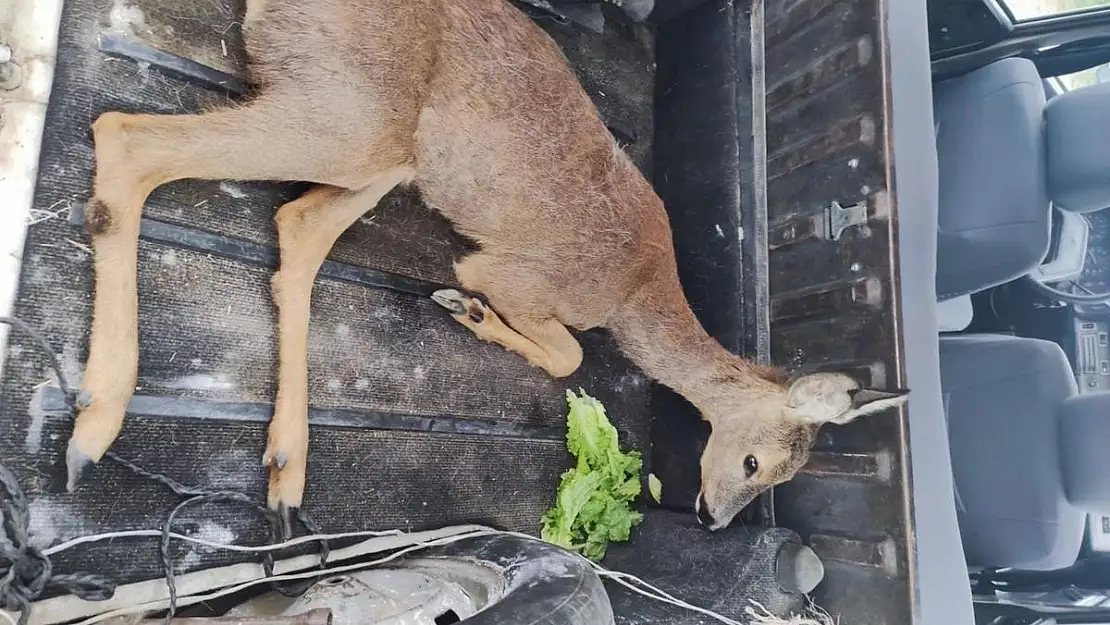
(839,218)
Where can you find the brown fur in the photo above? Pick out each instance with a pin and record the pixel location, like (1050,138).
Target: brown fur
(98,219)
(475,105)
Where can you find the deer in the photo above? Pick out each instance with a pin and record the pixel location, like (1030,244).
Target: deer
(476,107)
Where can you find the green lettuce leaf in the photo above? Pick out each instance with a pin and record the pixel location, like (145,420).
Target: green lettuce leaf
(655,487)
(593,503)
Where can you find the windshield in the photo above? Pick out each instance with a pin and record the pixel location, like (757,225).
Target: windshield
(1025,10)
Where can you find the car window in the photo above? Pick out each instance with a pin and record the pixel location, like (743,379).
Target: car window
(1089,76)
(1025,10)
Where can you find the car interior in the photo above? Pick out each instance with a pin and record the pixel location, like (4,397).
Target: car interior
(1021,113)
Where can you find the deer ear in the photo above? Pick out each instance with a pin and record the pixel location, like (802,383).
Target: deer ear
(869,401)
(836,398)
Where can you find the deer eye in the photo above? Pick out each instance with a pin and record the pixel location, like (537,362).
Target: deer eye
(751,465)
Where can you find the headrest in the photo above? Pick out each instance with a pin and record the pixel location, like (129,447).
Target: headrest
(1084,432)
(1077,148)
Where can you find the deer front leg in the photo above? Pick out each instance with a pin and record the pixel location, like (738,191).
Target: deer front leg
(307,229)
(529,328)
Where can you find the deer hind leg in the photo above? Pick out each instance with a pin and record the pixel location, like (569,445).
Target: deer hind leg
(543,340)
(134,155)
(307,229)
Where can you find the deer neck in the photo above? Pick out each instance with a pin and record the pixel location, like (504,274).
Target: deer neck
(658,331)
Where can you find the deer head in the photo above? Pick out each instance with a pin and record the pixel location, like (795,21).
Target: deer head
(761,437)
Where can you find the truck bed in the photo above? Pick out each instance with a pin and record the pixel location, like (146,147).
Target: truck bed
(416,423)
(463,430)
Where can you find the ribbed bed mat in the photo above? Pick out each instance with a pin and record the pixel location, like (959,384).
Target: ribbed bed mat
(416,422)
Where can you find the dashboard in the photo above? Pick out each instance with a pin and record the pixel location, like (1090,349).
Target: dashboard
(1092,323)
(1080,252)
(1096,268)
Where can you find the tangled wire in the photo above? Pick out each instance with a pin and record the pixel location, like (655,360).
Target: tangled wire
(26,572)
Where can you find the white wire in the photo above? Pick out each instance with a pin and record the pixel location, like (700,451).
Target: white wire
(663,597)
(8,617)
(813,614)
(631,582)
(617,576)
(191,599)
(647,590)
(216,545)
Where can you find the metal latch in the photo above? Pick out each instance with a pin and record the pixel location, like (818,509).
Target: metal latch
(839,218)
(11,75)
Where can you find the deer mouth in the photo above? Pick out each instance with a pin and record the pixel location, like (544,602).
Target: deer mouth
(701,510)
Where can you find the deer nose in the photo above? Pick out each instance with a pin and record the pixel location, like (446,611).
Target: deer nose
(702,509)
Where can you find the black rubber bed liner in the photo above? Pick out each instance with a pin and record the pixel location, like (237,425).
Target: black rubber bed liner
(417,424)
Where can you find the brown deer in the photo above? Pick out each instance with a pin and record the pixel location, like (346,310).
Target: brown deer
(476,106)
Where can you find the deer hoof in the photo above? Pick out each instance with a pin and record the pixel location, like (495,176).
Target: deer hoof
(459,304)
(453,300)
(285,516)
(77,465)
(277,460)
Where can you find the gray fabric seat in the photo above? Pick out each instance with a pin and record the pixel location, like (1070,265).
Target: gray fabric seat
(1005,399)
(1084,434)
(994,212)
(1077,146)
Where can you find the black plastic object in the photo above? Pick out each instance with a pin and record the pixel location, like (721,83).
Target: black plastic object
(666,10)
(722,571)
(545,583)
(798,568)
